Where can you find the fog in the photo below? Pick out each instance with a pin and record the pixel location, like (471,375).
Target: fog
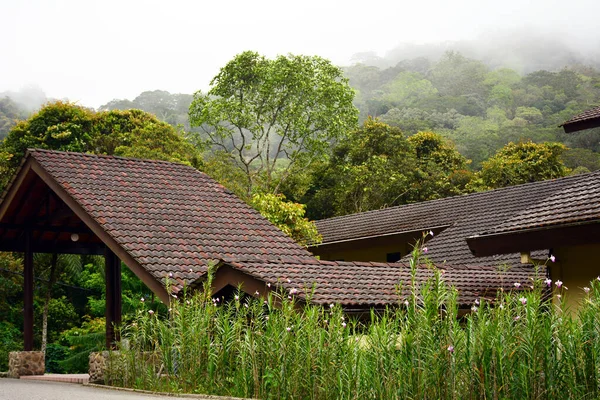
(93,52)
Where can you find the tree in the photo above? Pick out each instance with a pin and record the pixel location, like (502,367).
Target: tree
(378,167)
(274,117)
(523,162)
(287,216)
(441,171)
(136,133)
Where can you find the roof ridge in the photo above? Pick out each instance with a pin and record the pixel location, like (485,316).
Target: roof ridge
(108,156)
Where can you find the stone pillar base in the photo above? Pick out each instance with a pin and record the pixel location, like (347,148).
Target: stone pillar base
(97,365)
(21,363)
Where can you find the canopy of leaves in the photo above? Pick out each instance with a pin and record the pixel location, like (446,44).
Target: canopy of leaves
(287,216)
(524,162)
(378,167)
(259,111)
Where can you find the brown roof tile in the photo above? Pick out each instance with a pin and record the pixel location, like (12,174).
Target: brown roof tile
(359,283)
(578,202)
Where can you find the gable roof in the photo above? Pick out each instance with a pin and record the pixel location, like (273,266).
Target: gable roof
(571,215)
(169,218)
(465,216)
(586,120)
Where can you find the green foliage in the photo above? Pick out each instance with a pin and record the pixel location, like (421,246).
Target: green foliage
(81,341)
(259,111)
(378,167)
(478,108)
(56,126)
(54,354)
(171,108)
(10,113)
(287,216)
(524,162)
(11,339)
(518,345)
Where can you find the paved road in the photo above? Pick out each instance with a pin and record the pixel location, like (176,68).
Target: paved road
(16,389)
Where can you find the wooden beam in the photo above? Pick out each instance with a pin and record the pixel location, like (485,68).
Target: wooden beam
(46,228)
(14,188)
(28,295)
(18,246)
(112,276)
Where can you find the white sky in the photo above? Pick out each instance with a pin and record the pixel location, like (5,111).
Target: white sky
(93,51)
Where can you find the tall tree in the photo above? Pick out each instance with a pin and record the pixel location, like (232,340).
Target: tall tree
(274,117)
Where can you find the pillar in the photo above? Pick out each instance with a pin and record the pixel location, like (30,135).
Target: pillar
(113,296)
(28,294)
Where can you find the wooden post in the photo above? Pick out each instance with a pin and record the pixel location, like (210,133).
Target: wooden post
(28,294)
(113,296)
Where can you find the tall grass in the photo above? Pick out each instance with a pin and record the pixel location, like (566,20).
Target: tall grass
(520,347)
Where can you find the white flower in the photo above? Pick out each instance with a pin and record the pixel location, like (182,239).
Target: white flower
(289,280)
(517,285)
(474,308)
(174,295)
(257,293)
(548,282)
(191,270)
(170,274)
(406,303)
(293,291)
(343,324)
(288,329)
(150,312)
(477,301)
(431,233)
(586,289)
(331,305)
(237,297)
(552,258)
(558,284)
(268,284)
(142,299)
(425,250)
(523,300)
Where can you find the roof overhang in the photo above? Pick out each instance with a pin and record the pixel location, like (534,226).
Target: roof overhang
(535,239)
(576,126)
(409,232)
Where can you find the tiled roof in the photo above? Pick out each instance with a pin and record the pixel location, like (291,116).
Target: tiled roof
(376,284)
(588,115)
(577,203)
(466,215)
(169,217)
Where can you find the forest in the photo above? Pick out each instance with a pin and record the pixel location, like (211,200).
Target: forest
(299,139)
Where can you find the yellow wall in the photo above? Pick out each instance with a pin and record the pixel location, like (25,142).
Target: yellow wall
(374,249)
(575,266)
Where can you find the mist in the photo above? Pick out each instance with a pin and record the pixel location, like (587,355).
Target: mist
(94,52)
